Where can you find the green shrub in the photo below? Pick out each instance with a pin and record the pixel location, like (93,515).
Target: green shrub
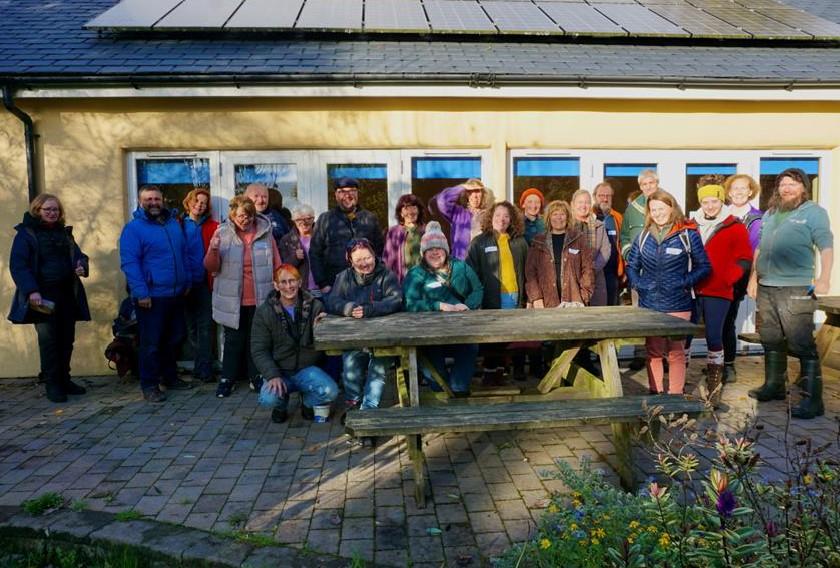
(43,503)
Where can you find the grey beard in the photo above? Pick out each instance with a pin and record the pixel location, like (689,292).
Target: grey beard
(604,207)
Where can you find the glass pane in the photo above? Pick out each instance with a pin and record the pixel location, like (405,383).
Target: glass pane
(174,176)
(771,167)
(556,178)
(281,180)
(624,179)
(693,173)
(373,187)
(430,175)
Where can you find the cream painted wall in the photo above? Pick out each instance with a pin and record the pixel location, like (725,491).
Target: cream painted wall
(83,143)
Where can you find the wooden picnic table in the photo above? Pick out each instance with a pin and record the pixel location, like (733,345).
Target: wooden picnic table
(600,329)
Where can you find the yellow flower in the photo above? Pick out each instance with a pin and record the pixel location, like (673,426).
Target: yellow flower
(595,542)
(553,508)
(599,532)
(634,524)
(630,539)
(576,504)
(584,542)
(545,543)
(664,540)
(808,479)
(573,527)
(606,517)
(652,529)
(575,495)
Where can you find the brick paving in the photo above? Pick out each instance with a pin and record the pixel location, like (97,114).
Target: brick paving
(221,464)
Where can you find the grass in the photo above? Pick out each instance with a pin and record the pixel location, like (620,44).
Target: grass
(78,505)
(56,555)
(128,515)
(252,538)
(43,503)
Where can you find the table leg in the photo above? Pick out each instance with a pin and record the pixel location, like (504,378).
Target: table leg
(559,368)
(415,452)
(622,432)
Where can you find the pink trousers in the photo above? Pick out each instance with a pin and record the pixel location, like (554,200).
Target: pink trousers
(673,348)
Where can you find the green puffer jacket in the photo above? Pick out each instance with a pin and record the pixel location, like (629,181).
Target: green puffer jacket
(424,290)
(282,347)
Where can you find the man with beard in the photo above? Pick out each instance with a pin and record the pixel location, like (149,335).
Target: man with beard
(337,227)
(153,256)
(785,283)
(612,219)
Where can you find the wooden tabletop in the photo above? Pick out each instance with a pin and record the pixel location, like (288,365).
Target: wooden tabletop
(497,326)
(829,304)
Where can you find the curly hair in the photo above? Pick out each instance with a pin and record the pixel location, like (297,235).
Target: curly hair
(517,223)
(193,195)
(473,184)
(241,202)
(407,200)
(755,188)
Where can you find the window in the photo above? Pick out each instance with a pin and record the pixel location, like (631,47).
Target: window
(555,177)
(624,179)
(430,175)
(693,173)
(373,186)
(174,176)
(771,167)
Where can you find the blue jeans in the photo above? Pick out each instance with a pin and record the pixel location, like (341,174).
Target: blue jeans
(364,377)
(198,310)
(316,388)
(462,371)
(161,332)
(714,314)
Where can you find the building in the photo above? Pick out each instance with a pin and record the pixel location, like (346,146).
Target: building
(403,94)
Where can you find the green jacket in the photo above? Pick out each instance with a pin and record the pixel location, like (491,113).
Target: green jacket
(483,257)
(424,290)
(633,223)
(787,243)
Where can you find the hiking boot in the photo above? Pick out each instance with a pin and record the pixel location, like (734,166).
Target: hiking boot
(307,412)
(225,388)
(775,376)
(153,394)
(279,414)
(178,384)
(255,383)
(811,405)
(714,383)
(55,392)
(72,388)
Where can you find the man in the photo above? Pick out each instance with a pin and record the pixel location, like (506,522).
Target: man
(337,227)
(612,219)
(785,284)
(258,193)
(153,256)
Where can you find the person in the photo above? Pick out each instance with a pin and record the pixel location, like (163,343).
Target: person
(599,242)
(46,265)
(498,258)
(442,283)
(402,243)
(785,283)
(740,190)
(727,246)
(242,257)
(366,289)
(558,269)
(294,246)
(531,202)
(463,207)
(259,194)
(337,227)
(282,347)
(612,220)
(665,262)
(199,227)
(155,261)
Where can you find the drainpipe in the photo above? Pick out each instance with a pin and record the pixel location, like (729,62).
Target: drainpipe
(29,139)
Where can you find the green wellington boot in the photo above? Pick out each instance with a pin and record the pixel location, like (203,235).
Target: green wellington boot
(775,376)
(811,405)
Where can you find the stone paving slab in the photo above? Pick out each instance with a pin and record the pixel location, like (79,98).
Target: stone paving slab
(221,465)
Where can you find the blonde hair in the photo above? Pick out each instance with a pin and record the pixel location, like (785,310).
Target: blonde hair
(473,184)
(241,202)
(554,206)
(677,215)
(193,195)
(755,189)
(38,202)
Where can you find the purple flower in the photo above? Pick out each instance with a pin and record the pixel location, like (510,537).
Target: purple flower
(772,529)
(726,503)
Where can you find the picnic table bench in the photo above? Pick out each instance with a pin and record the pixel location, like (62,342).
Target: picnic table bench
(567,395)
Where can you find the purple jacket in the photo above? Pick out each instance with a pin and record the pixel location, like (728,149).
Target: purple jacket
(393,257)
(753,222)
(459,218)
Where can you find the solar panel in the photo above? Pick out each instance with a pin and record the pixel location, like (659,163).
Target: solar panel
(638,20)
(330,14)
(697,22)
(457,16)
(817,27)
(395,15)
(199,14)
(580,18)
(133,14)
(753,22)
(511,16)
(265,14)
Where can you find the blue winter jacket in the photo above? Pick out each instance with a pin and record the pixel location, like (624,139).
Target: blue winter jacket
(660,271)
(153,256)
(195,248)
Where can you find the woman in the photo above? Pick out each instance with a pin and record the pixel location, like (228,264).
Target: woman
(294,246)
(199,227)
(665,262)
(242,257)
(463,206)
(727,246)
(599,243)
(441,283)
(366,289)
(282,346)
(498,257)
(558,270)
(46,266)
(402,243)
(740,190)
(531,202)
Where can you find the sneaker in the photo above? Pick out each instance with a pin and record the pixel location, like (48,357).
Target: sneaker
(225,388)
(178,385)
(256,383)
(279,415)
(153,394)
(306,412)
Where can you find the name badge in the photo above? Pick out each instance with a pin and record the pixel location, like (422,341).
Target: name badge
(672,250)
(574,251)
(434,284)
(491,249)
(611,233)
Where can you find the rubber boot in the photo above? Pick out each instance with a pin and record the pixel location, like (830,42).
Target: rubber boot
(729,374)
(775,376)
(811,405)
(714,383)
(54,390)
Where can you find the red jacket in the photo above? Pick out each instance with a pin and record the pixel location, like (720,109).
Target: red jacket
(208,228)
(730,255)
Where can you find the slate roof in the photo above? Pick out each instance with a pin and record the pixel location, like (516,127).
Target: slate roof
(42,41)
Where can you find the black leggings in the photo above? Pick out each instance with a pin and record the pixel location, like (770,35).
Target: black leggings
(236,361)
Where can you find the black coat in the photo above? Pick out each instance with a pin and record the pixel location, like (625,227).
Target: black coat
(379,293)
(483,257)
(333,230)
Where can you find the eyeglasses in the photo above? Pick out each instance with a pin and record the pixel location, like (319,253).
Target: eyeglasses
(50,209)
(306,220)
(347,191)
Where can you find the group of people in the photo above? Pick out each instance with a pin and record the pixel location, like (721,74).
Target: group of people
(268,279)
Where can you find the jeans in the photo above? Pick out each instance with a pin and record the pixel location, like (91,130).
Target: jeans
(316,388)
(787,319)
(730,334)
(56,335)
(237,362)
(462,371)
(714,312)
(198,311)
(161,332)
(364,377)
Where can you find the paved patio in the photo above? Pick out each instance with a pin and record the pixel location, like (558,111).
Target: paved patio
(221,464)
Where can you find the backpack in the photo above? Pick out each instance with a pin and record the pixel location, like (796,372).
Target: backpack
(121,354)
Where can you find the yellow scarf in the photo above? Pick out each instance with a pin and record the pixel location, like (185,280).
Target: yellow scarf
(507,273)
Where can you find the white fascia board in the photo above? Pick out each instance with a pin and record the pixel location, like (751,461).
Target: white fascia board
(428,91)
